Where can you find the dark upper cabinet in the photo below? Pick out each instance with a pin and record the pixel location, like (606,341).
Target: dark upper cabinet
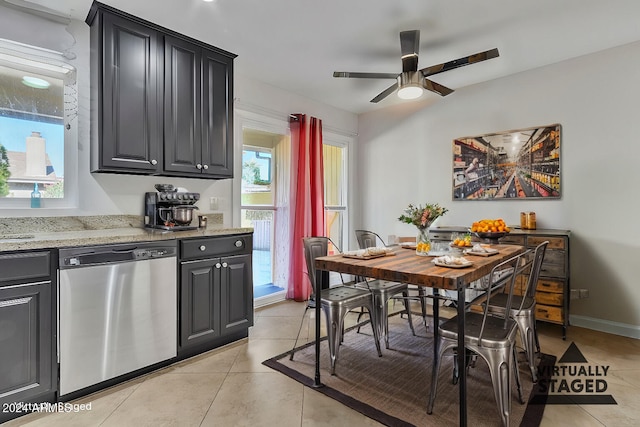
(197,110)
(162,103)
(126,100)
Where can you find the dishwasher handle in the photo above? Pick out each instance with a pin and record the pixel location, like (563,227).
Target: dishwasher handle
(98,258)
(82,257)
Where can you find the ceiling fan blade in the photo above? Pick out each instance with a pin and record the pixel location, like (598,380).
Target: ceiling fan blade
(436,87)
(409,45)
(365,75)
(460,62)
(388,91)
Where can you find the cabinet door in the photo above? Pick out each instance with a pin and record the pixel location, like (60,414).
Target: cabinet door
(129,119)
(236,285)
(182,107)
(26,356)
(199,302)
(217,117)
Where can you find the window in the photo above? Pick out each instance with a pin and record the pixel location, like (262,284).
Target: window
(334,158)
(37,108)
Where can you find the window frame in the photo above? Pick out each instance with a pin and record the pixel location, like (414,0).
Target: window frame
(344,207)
(54,64)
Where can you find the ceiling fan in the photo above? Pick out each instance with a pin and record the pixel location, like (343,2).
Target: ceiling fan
(411,81)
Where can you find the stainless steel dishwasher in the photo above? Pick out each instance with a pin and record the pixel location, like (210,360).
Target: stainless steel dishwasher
(117,308)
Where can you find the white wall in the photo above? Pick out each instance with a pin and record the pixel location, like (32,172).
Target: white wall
(595,99)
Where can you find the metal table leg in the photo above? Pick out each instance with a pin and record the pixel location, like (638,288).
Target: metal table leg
(462,371)
(322,282)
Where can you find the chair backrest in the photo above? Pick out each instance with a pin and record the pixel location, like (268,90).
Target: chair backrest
(368,239)
(536,266)
(502,276)
(314,247)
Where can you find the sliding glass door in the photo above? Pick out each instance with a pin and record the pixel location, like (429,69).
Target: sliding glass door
(258,207)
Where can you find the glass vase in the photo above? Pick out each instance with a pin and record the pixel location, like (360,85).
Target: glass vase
(423,245)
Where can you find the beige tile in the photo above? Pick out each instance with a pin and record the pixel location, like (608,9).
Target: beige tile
(102,404)
(219,360)
(320,410)
(256,351)
(627,411)
(632,377)
(567,416)
(287,308)
(257,399)
(280,327)
(171,399)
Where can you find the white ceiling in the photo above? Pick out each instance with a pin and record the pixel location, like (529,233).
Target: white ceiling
(297,44)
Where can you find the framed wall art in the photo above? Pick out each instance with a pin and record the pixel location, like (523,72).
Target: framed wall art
(512,165)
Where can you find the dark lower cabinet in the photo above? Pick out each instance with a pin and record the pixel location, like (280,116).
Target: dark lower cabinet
(216,292)
(28,367)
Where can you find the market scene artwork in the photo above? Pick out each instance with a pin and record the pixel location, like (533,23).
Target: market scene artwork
(517,164)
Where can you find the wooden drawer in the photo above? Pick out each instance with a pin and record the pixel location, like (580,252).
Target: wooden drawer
(550,298)
(513,240)
(25,267)
(549,314)
(554,242)
(207,247)
(548,285)
(554,264)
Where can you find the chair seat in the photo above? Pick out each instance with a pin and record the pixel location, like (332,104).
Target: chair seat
(382,286)
(495,335)
(499,301)
(343,294)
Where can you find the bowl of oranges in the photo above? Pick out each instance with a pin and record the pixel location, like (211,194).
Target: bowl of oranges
(491,229)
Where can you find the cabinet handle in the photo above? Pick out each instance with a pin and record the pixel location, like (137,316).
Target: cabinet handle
(224,264)
(205,167)
(202,248)
(154,162)
(238,243)
(218,265)
(198,166)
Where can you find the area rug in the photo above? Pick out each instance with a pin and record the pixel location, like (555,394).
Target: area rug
(394,389)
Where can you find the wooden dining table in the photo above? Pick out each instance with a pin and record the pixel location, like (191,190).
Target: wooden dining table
(405,266)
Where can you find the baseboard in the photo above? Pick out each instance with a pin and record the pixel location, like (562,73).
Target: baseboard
(269,299)
(608,326)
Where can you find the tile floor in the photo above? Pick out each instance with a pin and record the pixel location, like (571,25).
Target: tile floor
(230,386)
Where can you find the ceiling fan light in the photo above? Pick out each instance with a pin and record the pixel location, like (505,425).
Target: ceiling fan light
(410,92)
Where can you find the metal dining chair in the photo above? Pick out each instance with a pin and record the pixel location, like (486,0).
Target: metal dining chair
(382,290)
(367,239)
(335,302)
(491,336)
(523,309)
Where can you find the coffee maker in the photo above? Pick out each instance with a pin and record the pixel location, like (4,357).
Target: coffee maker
(170,210)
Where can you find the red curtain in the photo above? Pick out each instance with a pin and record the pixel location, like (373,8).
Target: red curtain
(306,198)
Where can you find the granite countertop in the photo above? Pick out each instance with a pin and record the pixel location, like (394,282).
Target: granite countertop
(59,232)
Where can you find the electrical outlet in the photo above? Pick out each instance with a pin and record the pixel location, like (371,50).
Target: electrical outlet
(213,203)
